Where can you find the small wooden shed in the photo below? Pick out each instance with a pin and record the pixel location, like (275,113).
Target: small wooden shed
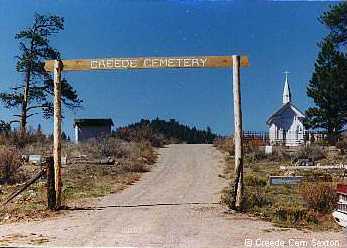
(86,129)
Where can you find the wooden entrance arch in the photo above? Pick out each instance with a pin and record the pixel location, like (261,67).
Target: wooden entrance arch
(234,62)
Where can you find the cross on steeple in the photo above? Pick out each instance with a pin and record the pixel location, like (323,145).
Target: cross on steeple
(286,72)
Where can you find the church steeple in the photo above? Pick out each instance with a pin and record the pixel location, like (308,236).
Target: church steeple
(287,97)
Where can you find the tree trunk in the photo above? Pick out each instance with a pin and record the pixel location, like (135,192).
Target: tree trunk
(332,135)
(24,111)
(332,138)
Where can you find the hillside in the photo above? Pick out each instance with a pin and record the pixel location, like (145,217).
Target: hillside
(161,132)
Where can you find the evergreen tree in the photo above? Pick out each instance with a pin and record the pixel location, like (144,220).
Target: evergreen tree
(328,89)
(164,132)
(39,129)
(4,127)
(35,93)
(328,86)
(63,136)
(336,20)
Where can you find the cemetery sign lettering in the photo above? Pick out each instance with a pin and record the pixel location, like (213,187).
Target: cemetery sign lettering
(147,63)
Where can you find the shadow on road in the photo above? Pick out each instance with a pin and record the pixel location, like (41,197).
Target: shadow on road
(139,205)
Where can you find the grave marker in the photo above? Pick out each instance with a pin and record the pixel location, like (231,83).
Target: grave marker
(285,180)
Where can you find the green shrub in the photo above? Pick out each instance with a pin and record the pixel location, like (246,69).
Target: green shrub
(320,197)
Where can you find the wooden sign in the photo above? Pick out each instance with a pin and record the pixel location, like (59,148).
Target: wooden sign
(281,180)
(146,63)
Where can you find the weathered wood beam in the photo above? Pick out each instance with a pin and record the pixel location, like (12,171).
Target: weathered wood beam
(147,63)
(25,186)
(57,133)
(238,183)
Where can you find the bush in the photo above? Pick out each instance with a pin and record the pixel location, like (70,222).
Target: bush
(342,143)
(144,151)
(108,147)
(14,138)
(320,197)
(317,176)
(254,181)
(140,134)
(279,154)
(315,152)
(252,145)
(255,197)
(256,155)
(227,196)
(111,147)
(225,144)
(295,215)
(10,162)
(135,167)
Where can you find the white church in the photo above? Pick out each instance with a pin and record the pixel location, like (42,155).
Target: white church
(286,124)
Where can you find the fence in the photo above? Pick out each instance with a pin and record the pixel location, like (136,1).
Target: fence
(259,137)
(284,138)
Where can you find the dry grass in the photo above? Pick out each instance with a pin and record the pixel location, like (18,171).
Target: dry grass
(81,182)
(10,165)
(285,206)
(31,204)
(95,181)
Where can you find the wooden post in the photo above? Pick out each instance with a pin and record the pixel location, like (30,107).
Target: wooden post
(51,195)
(238,184)
(58,67)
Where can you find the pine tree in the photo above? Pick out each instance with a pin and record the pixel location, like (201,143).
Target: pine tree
(63,136)
(4,127)
(336,20)
(35,93)
(328,89)
(328,86)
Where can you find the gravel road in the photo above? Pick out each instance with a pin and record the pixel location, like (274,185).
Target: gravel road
(174,205)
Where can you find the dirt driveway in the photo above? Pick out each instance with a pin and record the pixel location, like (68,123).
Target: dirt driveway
(174,205)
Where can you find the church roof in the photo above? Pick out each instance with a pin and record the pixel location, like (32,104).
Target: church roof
(284,108)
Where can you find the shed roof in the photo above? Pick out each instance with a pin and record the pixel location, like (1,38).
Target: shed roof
(93,122)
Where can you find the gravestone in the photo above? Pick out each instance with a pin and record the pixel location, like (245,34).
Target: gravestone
(35,159)
(268,149)
(285,180)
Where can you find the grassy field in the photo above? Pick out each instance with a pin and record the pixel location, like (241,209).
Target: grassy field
(82,182)
(308,205)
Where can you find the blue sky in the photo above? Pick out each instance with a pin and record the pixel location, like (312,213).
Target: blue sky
(277,36)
